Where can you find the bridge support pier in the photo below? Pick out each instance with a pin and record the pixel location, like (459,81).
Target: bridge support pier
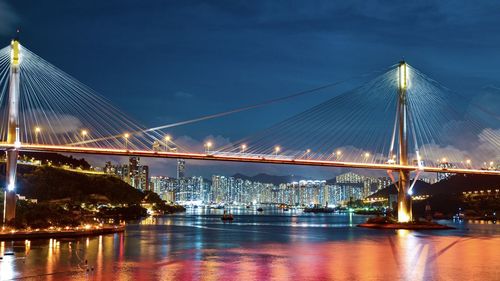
(404,198)
(9,211)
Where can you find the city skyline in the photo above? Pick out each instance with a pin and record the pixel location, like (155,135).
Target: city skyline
(259,189)
(180,96)
(249,140)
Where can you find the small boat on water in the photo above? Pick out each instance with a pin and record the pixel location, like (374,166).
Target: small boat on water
(227,217)
(260,210)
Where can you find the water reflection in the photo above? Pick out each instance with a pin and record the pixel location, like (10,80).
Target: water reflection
(272,246)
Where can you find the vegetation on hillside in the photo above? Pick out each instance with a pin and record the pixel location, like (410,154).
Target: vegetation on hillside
(68,198)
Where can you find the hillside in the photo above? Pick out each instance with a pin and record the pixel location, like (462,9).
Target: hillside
(47,183)
(418,189)
(56,159)
(455,184)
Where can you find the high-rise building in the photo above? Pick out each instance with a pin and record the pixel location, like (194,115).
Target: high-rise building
(219,184)
(134,173)
(109,168)
(144,178)
(445,165)
(164,187)
(138,175)
(367,185)
(181,168)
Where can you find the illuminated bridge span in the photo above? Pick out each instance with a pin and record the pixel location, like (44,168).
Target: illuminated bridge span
(397,120)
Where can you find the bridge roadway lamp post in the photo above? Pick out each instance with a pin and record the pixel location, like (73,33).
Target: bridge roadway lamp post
(126,136)
(404,198)
(167,140)
(37,132)
(9,211)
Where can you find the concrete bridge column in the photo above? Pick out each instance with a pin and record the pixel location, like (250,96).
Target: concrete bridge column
(404,198)
(12,134)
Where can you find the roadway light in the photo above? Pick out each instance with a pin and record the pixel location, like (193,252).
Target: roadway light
(168,138)
(208,145)
(277,149)
(443,160)
(243,147)
(339,152)
(37,131)
(308,151)
(367,154)
(84,134)
(126,136)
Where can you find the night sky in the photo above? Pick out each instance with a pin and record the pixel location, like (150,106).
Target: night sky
(168,61)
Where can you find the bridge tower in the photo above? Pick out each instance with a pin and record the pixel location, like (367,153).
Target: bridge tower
(404,198)
(12,133)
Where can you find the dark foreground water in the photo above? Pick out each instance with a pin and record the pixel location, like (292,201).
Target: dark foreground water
(270,246)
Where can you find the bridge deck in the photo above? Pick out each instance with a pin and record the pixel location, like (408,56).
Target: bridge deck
(246,158)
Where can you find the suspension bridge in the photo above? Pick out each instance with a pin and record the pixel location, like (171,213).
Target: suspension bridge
(399,121)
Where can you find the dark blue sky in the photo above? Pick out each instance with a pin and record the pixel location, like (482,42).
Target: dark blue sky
(167,61)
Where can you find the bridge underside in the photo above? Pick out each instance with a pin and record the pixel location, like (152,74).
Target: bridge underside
(245,158)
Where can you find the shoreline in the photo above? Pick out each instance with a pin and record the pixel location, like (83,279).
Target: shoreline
(47,234)
(408,226)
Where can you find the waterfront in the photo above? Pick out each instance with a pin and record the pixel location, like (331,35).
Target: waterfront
(274,245)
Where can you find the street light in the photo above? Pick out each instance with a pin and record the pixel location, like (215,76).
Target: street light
(37,131)
(84,133)
(468,161)
(167,140)
(243,147)
(307,152)
(208,145)
(126,136)
(277,149)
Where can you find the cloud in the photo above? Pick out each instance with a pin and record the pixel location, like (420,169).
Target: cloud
(188,143)
(8,18)
(484,147)
(489,144)
(52,123)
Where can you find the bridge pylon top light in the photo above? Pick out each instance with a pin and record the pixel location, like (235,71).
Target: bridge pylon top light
(403,75)
(15,56)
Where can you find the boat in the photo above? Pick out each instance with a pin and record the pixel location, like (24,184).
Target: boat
(260,210)
(285,209)
(227,217)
